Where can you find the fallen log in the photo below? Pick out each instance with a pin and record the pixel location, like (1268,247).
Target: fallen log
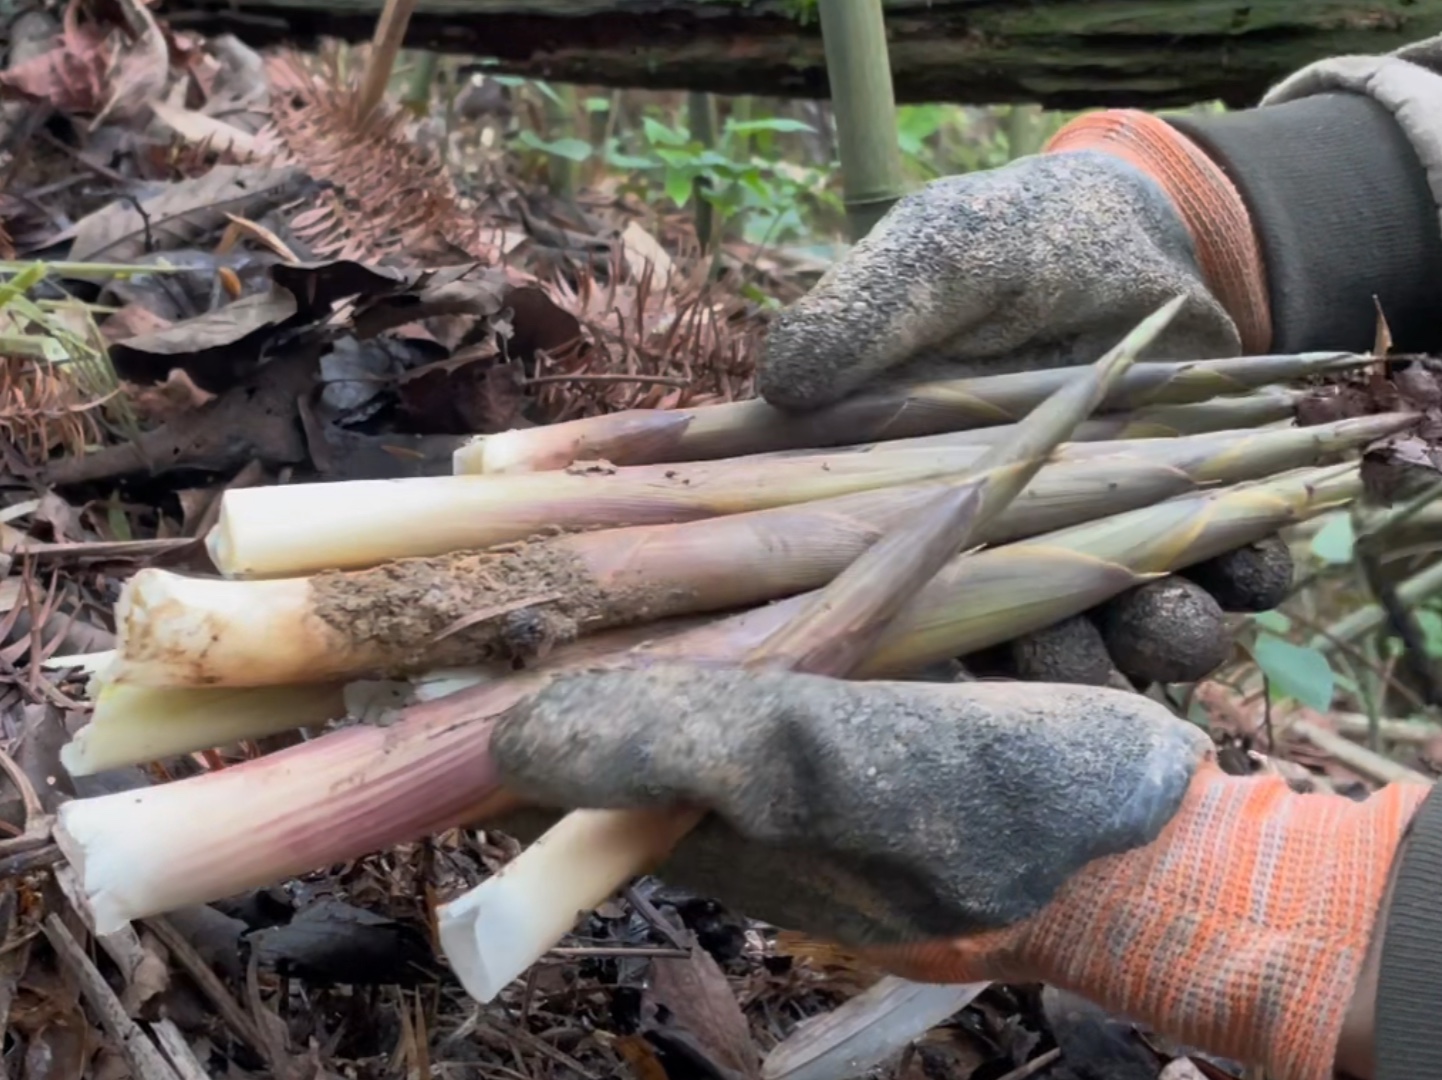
(1061,53)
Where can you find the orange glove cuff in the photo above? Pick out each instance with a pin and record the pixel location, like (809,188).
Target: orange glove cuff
(1242,929)
(1209,204)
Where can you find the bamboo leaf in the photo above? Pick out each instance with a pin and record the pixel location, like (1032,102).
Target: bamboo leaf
(678,186)
(570,148)
(780,124)
(657,132)
(1295,671)
(1273,621)
(1334,541)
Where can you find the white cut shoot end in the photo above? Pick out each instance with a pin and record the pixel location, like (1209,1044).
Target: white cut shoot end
(173,630)
(493,933)
(502,452)
(306,528)
(348,792)
(135,724)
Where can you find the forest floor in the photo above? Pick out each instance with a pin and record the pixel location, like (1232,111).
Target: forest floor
(253,285)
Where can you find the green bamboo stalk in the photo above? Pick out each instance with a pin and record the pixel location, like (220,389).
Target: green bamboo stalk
(864,105)
(1023,130)
(642,436)
(417,97)
(701,118)
(560,108)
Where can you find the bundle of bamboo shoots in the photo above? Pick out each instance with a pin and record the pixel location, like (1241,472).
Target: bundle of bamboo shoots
(405,616)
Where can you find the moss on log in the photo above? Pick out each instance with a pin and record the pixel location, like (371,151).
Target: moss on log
(1060,53)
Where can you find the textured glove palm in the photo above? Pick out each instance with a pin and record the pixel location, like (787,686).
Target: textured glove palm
(1073,835)
(1046,262)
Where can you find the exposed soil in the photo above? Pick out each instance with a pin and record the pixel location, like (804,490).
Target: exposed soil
(467,608)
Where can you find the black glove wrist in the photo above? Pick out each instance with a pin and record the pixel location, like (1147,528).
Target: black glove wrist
(1343,212)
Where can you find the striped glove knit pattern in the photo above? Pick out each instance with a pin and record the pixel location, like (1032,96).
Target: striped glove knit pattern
(1240,930)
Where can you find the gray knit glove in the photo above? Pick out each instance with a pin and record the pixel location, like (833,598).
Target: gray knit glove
(866,813)
(1046,262)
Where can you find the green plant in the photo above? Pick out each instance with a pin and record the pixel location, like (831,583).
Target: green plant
(747,184)
(1299,672)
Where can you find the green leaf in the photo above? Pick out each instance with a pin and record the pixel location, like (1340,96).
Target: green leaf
(1302,674)
(1430,623)
(618,160)
(677,159)
(1272,621)
(657,132)
(115,517)
(780,124)
(545,88)
(710,159)
(597,104)
(678,186)
(572,149)
(1333,542)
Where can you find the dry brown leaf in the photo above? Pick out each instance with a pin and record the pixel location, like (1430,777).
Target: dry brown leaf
(180,214)
(215,135)
(261,235)
(166,400)
(43,407)
(132,320)
(393,198)
(149,977)
(1382,338)
(835,960)
(641,1056)
(72,76)
(690,1002)
(141,68)
(216,348)
(455,290)
(644,253)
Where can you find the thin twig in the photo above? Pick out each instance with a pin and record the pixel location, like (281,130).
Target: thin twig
(386,42)
(209,983)
(1357,758)
(1403,624)
(144,1057)
(13,866)
(37,821)
(182,1057)
(1410,732)
(571,952)
(1358,656)
(581,376)
(523,1036)
(1032,1067)
(679,938)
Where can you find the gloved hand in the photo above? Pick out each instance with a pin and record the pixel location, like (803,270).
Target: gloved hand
(1077,836)
(1049,261)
